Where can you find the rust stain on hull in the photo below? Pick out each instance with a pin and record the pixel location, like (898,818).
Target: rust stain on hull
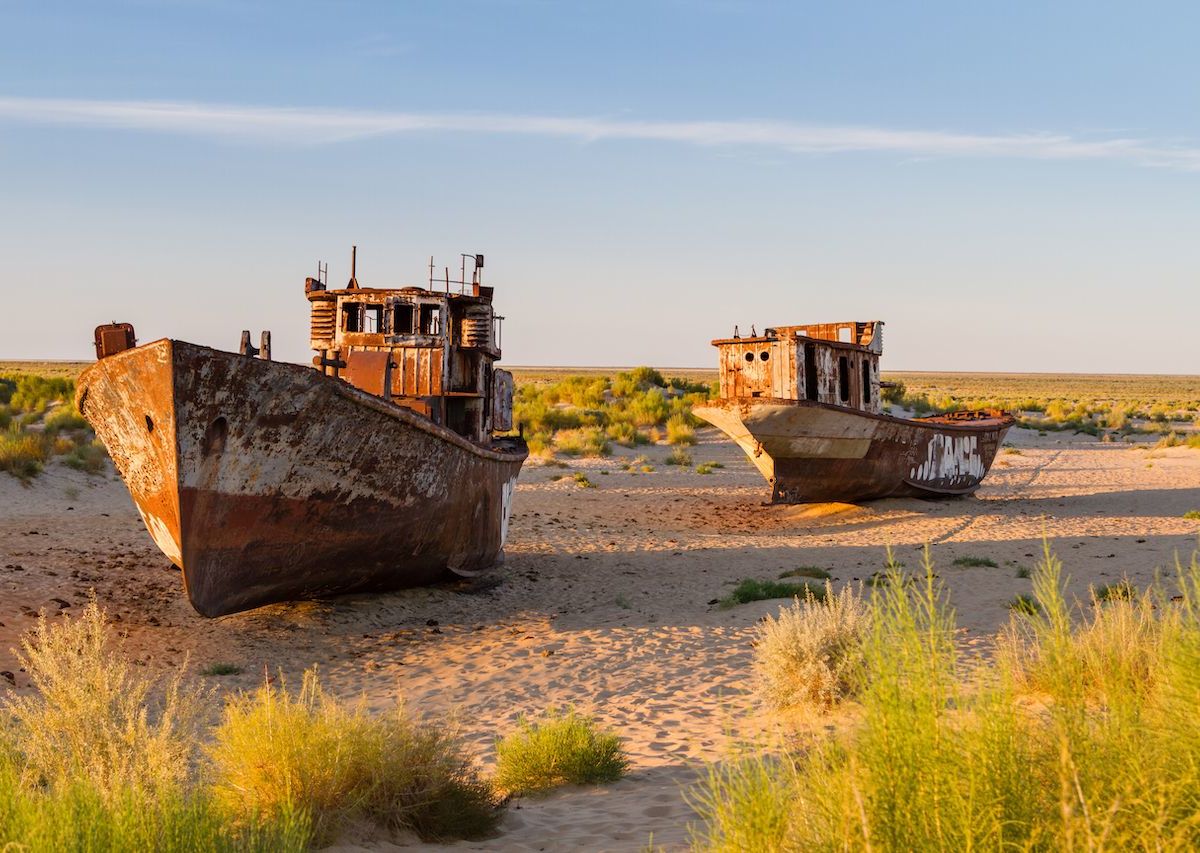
(266,481)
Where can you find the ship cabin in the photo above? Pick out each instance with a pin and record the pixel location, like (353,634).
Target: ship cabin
(832,363)
(429,349)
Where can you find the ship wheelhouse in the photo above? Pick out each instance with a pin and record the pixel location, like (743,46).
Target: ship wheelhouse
(832,363)
(430,350)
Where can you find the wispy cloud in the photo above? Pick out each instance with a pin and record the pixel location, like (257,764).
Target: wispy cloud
(325,126)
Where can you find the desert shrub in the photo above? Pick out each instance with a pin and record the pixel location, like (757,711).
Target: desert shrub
(560,748)
(219,669)
(1192,514)
(22,454)
(1121,590)
(679,456)
(970,562)
(625,434)
(815,572)
(309,753)
(948,757)
(679,431)
(811,654)
(65,418)
(33,393)
(587,441)
(82,818)
(649,407)
(1023,603)
(893,392)
(581,480)
(752,589)
(89,457)
(92,719)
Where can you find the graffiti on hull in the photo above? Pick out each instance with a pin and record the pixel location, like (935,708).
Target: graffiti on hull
(950,460)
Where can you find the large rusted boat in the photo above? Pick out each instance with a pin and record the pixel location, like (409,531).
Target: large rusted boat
(265,481)
(804,403)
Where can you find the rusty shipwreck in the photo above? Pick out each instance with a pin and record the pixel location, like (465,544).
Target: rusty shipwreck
(264,481)
(804,403)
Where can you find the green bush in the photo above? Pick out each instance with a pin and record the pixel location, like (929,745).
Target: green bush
(561,748)
(752,589)
(587,441)
(679,431)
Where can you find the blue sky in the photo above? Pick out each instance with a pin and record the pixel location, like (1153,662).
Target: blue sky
(1010,187)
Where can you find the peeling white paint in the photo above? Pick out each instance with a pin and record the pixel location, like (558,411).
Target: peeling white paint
(506,496)
(950,459)
(161,534)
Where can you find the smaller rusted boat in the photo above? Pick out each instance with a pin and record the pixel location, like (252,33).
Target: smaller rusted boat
(264,481)
(804,403)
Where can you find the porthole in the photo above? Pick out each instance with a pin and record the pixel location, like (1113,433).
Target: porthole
(764,355)
(749,356)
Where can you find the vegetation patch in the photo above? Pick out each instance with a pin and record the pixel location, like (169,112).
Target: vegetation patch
(219,669)
(103,757)
(679,456)
(1081,735)
(811,655)
(275,751)
(806,572)
(752,589)
(560,748)
(974,562)
(1122,590)
(1024,604)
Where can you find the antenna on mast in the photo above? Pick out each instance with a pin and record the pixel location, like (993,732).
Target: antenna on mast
(353,285)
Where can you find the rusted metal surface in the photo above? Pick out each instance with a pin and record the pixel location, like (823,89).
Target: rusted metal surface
(266,481)
(112,338)
(803,402)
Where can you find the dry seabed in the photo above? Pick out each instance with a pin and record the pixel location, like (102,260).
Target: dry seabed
(606,601)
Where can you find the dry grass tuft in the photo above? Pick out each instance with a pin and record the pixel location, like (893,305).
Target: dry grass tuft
(811,655)
(276,751)
(94,719)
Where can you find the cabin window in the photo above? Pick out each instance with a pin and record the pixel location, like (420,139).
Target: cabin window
(431,320)
(844,335)
(844,378)
(866,382)
(764,355)
(402,320)
(810,372)
(352,317)
(372,319)
(749,356)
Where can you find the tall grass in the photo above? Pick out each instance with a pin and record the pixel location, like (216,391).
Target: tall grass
(104,757)
(276,752)
(95,718)
(1081,735)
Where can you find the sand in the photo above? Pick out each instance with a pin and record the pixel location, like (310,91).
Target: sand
(605,602)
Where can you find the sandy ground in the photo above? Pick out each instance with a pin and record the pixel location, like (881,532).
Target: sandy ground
(606,601)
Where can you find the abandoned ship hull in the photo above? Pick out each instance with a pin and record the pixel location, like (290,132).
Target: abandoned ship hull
(264,481)
(815,452)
